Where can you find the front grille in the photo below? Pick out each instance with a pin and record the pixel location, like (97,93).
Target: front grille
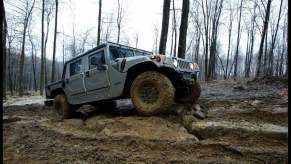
(183,64)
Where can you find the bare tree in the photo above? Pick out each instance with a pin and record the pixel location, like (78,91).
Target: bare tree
(73,44)
(183,29)
(84,39)
(229,39)
(99,22)
(136,40)
(42,71)
(120,15)
(165,26)
(197,25)
(206,9)
(11,36)
(48,15)
(273,42)
(237,42)
(173,50)
(213,42)
(108,22)
(251,44)
(33,62)
(156,36)
(55,41)
(27,15)
(265,28)
(284,47)
(3,36)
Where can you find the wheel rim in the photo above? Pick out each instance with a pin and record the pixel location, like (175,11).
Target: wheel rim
(149,93)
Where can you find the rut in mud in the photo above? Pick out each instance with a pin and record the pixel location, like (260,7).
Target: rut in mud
(247,122)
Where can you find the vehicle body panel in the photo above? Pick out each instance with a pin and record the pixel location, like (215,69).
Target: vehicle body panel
(107,80)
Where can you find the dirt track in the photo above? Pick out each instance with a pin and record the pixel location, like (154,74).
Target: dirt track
(247,123)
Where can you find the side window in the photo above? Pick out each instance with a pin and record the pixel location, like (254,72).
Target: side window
(75,67)
(99,56)
(117,52)
(114,53)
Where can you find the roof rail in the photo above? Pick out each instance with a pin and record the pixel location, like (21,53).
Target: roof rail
(103,45)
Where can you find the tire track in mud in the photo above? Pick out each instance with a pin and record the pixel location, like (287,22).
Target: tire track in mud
(237,130)
(108,148)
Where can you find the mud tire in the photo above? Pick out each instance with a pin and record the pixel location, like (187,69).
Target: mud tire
(194,95)
(164,93)
(62,108)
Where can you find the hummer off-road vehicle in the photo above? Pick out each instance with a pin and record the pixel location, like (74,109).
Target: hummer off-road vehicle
(113,71)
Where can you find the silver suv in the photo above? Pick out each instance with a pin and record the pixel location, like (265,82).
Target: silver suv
(113,71)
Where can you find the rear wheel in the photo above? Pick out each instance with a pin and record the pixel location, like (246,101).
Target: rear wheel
(62,107)
(152,92)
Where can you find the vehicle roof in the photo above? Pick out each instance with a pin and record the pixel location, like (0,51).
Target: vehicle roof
(104,45)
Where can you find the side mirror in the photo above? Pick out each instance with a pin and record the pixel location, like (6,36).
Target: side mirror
(122,65)
(117,60)
(93,61)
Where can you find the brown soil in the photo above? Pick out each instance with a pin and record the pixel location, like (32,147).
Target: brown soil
(247,123)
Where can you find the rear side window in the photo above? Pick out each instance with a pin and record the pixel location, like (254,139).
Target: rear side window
(117,52)
(100,59)
(75,67)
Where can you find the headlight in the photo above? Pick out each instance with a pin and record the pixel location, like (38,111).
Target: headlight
(191,65)
(195,66)
(175,62)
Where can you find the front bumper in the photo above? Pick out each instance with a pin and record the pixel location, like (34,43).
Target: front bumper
(186,81)
(189,77)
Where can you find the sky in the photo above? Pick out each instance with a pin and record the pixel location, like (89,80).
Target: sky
(140,17)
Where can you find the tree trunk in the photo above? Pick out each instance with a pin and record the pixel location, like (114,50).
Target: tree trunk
(44,52)
(265,54)
(213,43)
(271,55)
(183,30)
(119,19)
(165,26)
(175,30)
(99,23)
(22,57)
(33,69)
(197,48)
(55,41)
(41,83)
(9,70)
(265,28)
(229,44)
(206,30)
(247,53)
(4,34)
(252,43)
(237,43)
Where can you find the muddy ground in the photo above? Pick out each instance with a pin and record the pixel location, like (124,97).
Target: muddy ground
(247,123)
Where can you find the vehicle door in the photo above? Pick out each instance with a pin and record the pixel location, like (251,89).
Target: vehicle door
(96,76)
(74,82)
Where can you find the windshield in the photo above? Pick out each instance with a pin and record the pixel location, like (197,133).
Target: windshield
(118,52)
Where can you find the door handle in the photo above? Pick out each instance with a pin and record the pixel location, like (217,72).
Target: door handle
(87,74)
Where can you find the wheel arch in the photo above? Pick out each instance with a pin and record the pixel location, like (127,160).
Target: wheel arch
(136,70)
(56,92)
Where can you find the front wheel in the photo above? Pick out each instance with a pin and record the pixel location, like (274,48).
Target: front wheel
(152,92)
(62,107)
